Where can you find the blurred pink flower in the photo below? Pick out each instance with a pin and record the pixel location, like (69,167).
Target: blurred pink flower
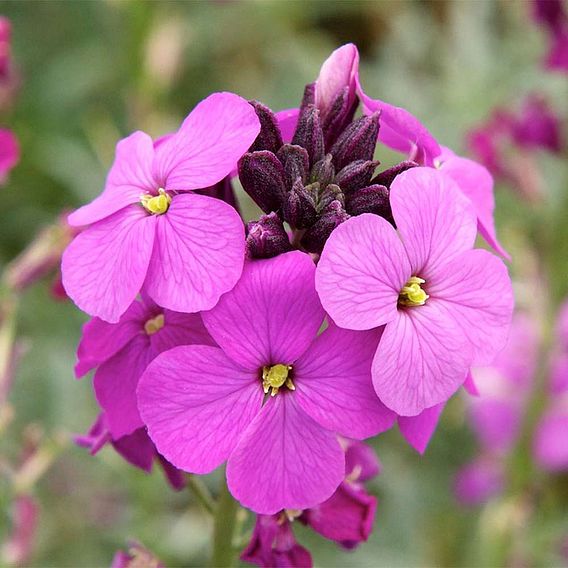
(18,549)
(9,153)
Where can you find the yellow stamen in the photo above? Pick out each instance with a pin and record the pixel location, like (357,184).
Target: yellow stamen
(156,204)
(276,376)
(412,293)
(154,325)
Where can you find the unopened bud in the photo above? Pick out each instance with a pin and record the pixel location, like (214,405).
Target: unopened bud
(387,177)
(262,177)
(331,193)
(372,199)
(339,114)
(267,237)
(296,163)
(324,171)
(309,134)
(315,237)
(356,175)
(269,137)
(299,207)
(357,142)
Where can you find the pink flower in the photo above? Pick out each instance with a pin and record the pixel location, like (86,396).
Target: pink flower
(479,481)
(552,15)
(204,405)
(9,153)
(121,352)
(444,306)
(18,549)
(184,249)
(137,555)
(136,448)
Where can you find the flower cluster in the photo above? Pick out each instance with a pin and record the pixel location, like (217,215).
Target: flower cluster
(552,16)
(357,300)
(496,415)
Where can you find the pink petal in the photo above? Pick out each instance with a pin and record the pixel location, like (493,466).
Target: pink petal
(422,359)
(129,177)
(101,340)
(496,423)
(196,404)
(550,444)
(475,290)
(287,122)
(9,152)
(418,430)
(334,386)
(479,481)
(104,266)
(361,461)
(180,329)
(470,386)
(272,315)
(198,254)
(217,132)
(337,72)
(436,222)
(476,183)
(400,130)
(115,385)
(284,460)
(361,271)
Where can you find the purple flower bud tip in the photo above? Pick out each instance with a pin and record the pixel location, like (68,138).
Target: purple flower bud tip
(300,208)
(269,137)
(267,237)
(357,142)
(316,236)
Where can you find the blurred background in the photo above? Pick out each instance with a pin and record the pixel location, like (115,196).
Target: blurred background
(87,73)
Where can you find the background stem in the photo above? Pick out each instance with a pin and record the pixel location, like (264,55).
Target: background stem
(224,529)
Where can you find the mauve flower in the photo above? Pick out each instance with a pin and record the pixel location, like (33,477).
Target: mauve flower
(184,249)
(9,153)
(204,405)
(136,448)
(273,545)
(121,352)
(445,307)
(537,126)
(552,15)
(17,550)
(479,481)
(5,47)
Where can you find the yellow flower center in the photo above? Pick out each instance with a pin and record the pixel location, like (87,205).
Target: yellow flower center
(156,204)
(276,376)
(412,293)
(154,325)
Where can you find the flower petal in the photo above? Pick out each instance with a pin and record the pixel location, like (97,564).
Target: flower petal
(198,254)
(196,404)
(101,340)
(284,460)
(337,72)
(550,448)
(400,130)
(479,481)
(129,177)
(334,386)
(104,266)
(180,329)
(475,290)
(272,315)
(287,122)
(115,385)
(361,271)
(436,222)
(217,132)
(9,152)
(476,183)
(418,430)
(422,359)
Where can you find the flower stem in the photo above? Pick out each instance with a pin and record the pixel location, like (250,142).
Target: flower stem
(224,529)
(201,493)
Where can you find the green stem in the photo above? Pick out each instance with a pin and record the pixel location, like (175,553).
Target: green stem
(224,529)
(201,493)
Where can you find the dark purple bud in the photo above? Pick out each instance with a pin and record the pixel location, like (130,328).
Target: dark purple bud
(338,116)
(262,177)
(331,193)
(300,207)
(357,142)
(324,171)
(356,175)
(267,237)
(372,199)
(309,133)
(296,163)
(309,97)
(315,237)
(387,177)
(269,137)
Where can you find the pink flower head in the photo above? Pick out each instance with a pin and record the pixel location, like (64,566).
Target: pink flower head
(552,15)
(9,153)
(5,47)
(479,481)
(136,448)
(273,544)
(204,405)
(444,306)
(18,548)
(121,352)
(184,249)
